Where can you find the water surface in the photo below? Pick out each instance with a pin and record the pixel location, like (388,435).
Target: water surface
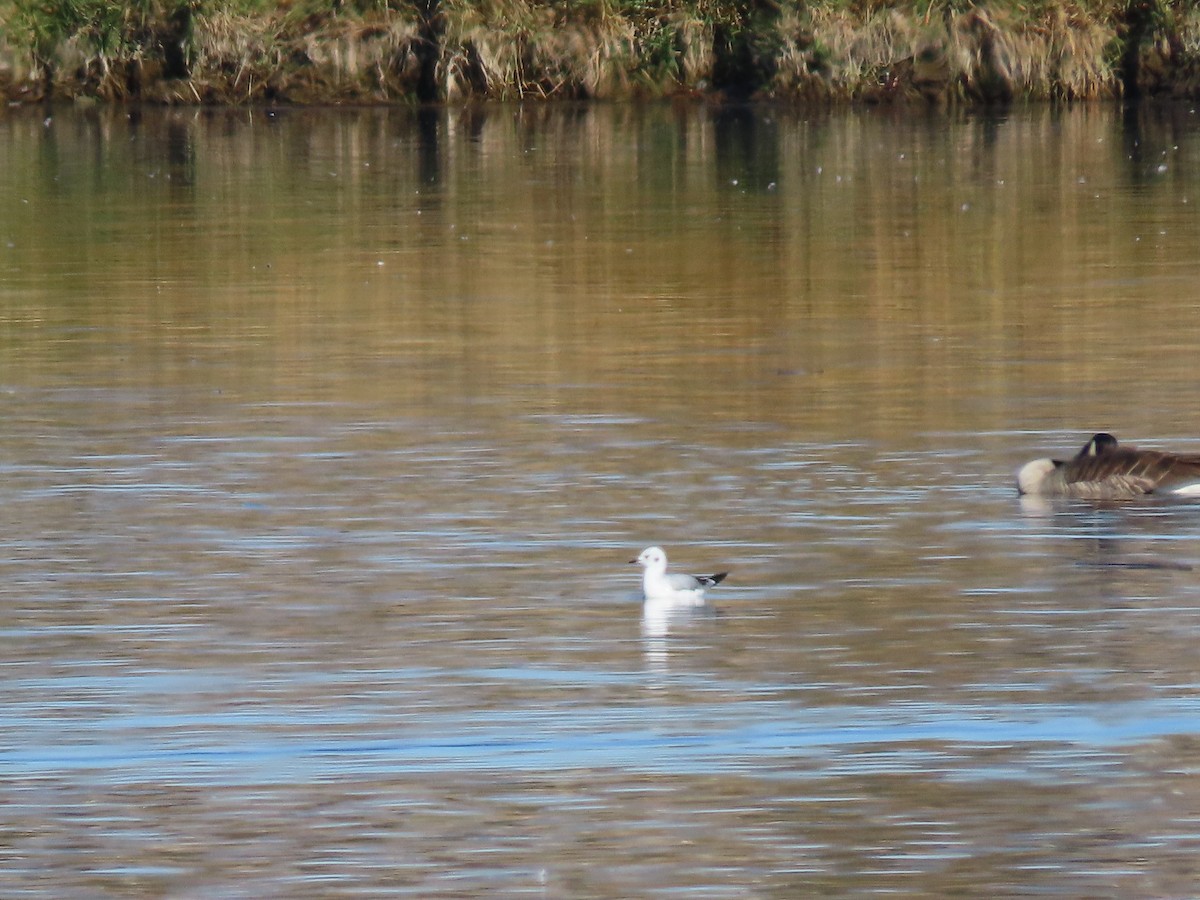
(329,434)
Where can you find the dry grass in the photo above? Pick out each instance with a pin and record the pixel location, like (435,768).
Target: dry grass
(885,54)
(238,59)
(939,51)
(515,50)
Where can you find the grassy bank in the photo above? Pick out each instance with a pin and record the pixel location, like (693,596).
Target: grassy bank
(386,51)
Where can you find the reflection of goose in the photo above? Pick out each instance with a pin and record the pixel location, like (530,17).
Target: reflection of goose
(659,588)
(1104,470)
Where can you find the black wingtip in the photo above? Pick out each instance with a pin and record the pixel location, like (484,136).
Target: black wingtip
(714,579)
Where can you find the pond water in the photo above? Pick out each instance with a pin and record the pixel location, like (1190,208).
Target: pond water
(328,437)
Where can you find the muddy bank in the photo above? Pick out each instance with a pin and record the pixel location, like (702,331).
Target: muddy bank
(952,52)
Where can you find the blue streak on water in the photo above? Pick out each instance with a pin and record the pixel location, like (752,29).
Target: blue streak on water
(638,739)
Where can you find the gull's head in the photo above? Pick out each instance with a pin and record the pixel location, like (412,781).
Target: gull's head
(652,559)
(1032,475)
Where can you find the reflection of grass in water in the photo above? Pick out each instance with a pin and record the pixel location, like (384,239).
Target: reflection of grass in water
(375,50)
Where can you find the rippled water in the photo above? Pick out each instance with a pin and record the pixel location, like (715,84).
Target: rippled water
(328,437)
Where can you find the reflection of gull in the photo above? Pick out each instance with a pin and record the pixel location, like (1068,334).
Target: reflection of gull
(662,590)
(656,629)
(659,622)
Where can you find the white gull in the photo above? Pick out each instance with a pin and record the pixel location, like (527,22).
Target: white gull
(659,588)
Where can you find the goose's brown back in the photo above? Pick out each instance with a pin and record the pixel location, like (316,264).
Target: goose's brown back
(1143,470)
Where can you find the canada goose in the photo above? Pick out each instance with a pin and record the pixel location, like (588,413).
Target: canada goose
(1104,470)
(659,587)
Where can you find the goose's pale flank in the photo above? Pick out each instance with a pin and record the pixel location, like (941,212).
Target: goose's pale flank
(1105,470)
(659,587)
